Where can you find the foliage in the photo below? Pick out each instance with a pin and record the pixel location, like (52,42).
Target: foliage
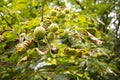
(76,43)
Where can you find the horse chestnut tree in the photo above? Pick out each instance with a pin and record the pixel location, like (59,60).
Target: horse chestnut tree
(55,40)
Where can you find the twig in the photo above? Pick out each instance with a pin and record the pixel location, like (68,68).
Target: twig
(4,31)
(80,4)
(42,11)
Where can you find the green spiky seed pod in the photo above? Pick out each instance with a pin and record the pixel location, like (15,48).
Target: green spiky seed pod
(66,10)
(50,36)
(39,33)
(53,27)
(53,13)
(61,14)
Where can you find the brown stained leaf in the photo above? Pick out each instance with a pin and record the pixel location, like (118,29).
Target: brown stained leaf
(85,32)
(47,21)
(99,42)
(66,50)
(96,40)
(41,52)
(24,58)
(5,64)
(54,50)
(17,41)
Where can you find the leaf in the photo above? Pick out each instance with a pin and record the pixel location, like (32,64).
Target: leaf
(2,45)
(63,77)
(13,57)
(25,58)
(34,3)
(20,4)
(47,68)
(11,36)
(93,38)
(64,66)
(100,21)
(10,46)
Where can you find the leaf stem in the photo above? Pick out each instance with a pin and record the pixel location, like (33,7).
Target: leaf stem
(48,44)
